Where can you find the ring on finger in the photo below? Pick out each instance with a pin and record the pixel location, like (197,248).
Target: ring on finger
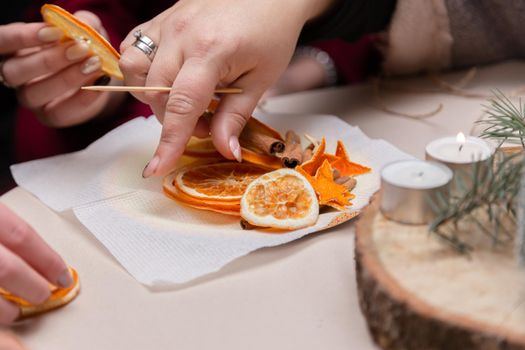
(144,43)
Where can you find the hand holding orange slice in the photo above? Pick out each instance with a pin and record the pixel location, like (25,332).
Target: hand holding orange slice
(59,297)
(75,29)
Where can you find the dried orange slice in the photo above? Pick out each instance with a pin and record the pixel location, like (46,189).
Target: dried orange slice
(75,29)
(221,181)
(201,148)
(224,208)
(59,297)
(282,199)
(204,148)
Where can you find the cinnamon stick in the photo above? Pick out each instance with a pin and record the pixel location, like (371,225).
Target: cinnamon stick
(307,155)
(265,143)
(293,153)
(308,152)
(347,181)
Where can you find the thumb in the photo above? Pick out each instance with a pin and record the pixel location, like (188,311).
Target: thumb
(92,20)
(227,123)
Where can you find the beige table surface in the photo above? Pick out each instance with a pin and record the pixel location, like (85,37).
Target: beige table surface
(298,296)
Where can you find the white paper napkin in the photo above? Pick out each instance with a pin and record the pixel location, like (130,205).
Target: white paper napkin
(159,241)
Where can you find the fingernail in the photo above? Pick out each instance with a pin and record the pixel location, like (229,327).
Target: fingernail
(77,51)
(91,65)
(103,80)
(49,34)
(151,167)
(65,280)
(235,148)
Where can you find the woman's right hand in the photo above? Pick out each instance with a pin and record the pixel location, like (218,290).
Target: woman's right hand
(27,265)
(206,43)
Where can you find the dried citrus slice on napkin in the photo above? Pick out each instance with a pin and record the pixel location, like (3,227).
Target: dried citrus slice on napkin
(75,29)
(282,199)
(224,207)
(59,297)
(221,181)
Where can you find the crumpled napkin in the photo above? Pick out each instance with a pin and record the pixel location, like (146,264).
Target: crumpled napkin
(157,240)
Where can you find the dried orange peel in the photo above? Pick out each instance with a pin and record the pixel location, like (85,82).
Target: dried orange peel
(319,170)
(77,30)
(59,297)
(328,191)
(282,199)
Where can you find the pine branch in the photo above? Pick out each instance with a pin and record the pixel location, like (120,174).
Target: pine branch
(488,197)
(505,122)
(487,203)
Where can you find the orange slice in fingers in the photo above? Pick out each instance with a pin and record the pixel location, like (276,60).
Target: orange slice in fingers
(201,148)
(282,199)
(217,182)
(204,148)
(59,297)
(75,29)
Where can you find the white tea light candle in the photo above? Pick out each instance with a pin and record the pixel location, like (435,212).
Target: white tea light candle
(460,154)
(409,185)
(459,150)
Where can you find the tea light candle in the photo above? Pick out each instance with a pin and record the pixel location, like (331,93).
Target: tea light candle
(460,153)
(459,150)
(409,185)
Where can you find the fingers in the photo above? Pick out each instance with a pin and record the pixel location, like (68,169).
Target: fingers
(231,117)
(17,36)
(9,341)
(17,277)
(8,314)
(20,239)
(74,110)
(164,69)
(20,70)
(191,93)
(93,20)
(135,64)
(38,94)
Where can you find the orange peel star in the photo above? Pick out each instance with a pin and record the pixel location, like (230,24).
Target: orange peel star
(328,191)
(344,165)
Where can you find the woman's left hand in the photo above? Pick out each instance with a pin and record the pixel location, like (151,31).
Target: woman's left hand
(48,73)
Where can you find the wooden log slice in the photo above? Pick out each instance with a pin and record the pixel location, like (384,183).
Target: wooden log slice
(417,293)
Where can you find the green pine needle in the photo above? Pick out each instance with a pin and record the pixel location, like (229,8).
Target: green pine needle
(488,198)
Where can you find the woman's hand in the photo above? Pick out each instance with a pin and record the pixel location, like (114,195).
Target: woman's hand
(27,265)
(203,44)
(48,74)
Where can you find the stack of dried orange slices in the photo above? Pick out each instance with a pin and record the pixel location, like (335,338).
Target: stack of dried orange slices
(279,184)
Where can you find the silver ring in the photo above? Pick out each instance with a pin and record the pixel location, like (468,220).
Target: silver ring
(2,78)
(144,43)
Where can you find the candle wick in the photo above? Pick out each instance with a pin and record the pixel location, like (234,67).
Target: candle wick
(461,147)
(420,174)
